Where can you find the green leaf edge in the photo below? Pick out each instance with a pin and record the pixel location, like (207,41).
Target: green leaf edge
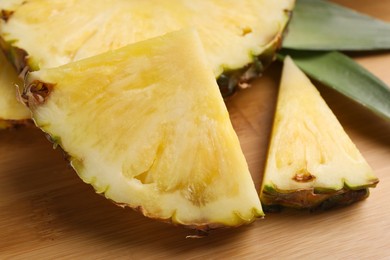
(343,28)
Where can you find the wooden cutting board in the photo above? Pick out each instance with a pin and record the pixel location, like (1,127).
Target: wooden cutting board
(47,212)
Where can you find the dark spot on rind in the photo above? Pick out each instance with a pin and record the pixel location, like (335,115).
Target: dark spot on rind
(303,177)
(36,93)
(5,15)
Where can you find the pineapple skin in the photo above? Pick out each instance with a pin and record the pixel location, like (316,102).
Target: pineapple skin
(38,93)
(311,163)
(273,199)
(229,79)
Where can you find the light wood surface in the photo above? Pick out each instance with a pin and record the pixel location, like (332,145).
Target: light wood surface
(47,212)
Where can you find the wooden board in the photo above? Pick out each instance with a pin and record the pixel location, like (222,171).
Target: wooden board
(46,211)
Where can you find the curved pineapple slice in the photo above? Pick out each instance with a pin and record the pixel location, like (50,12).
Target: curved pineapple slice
(11,110)
(311,160)
(234,33)
(146,126)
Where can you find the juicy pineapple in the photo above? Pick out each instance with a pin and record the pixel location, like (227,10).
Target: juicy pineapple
(11,110)
(311,160)
(147,126)
(240,37)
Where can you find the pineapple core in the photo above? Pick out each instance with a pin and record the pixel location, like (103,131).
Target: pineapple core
(310,158)
(147,126)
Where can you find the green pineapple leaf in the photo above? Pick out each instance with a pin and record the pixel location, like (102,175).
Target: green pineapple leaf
(321,25)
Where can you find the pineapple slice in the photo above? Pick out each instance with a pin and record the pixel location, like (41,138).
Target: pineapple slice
(311,161)
(234,33)
(147,126)
(12,112)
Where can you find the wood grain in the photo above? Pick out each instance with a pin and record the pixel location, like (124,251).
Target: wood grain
(46,211)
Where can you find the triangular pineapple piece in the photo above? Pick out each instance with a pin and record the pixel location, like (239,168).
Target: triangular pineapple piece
(311,160)
(147,126)
(11,110)
(234,33)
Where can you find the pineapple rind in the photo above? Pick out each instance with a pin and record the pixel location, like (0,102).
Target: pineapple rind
(174,156)
(310,153)
(310,199)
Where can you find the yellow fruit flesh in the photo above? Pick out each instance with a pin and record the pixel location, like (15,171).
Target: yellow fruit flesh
(58,32)
(146,126)
(309,150)
(11,5)
(10,108)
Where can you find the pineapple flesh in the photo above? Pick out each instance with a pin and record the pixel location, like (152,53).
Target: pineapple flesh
(12,112)
(146,126)
(312,163)
(240,37)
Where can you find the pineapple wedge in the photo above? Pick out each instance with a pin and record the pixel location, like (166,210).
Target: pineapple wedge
(311,163)
(12,112)
(240,37)
(147,126)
